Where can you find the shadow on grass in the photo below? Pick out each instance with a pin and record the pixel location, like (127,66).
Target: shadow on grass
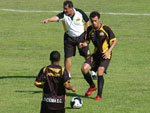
(77,95)
(68,107)
(33,92)
(68,94)
(77,77)
(5,77)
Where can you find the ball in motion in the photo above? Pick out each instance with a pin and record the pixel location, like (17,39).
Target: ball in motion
(76,102)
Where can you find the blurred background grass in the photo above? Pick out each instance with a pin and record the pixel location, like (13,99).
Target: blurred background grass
(25,44)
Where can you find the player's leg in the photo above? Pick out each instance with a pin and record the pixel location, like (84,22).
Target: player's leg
(94,75)
(100,72)
(44,107)
(85,52)
(60,111)
(85,70)
(100,82)
(69,51)
(68,65)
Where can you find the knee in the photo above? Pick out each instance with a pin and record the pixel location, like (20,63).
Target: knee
(68,59)
(100,71)
(85,68)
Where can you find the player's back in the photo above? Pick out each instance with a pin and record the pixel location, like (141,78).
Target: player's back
(54,84)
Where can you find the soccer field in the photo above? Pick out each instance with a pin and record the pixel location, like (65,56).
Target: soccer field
(25,44)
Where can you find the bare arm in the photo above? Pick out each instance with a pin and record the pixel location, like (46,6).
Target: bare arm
(51,19)
(84,44)
(69,87)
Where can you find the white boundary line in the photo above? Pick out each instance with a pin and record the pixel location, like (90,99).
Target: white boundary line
(110,13)
(34,11)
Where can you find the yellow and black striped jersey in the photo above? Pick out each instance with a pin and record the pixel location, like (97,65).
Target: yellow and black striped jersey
(101,38)
(52,79)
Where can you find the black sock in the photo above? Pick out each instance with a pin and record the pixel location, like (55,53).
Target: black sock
(88,78)
(100,84)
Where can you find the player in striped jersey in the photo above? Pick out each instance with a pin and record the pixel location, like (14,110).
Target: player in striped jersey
(53,79)
(104,41)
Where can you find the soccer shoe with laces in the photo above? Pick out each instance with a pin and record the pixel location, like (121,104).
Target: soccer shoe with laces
(90,90)
(98,98)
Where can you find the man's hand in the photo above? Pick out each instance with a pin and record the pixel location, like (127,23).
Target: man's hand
(83,44)
(51,19)
(69,87)
(73,89)
(105,54)
(45,21)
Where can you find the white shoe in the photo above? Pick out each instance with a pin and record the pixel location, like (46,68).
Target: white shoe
(69,76)
(94,75)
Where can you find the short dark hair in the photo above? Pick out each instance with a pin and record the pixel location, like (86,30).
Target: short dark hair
(69,3)
(54,56)
(94,14)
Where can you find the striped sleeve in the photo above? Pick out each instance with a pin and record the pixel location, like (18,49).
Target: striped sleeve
(65,76)
(40,79)
(60,15)
(88,38)
(111,35)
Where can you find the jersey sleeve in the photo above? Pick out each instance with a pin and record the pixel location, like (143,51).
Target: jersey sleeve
(88,34)
(40,79)
(65,76)
(60,15)
(85,17)
(110,33)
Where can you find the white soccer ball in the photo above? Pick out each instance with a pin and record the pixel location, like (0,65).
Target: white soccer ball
(76,102)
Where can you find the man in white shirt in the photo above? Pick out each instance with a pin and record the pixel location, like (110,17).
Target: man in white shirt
(75,22)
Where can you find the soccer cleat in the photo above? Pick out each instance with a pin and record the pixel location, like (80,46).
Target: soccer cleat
(90,90)
(69,76)
(98,98)
(94,75)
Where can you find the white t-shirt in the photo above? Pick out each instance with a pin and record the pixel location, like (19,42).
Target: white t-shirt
(74,26)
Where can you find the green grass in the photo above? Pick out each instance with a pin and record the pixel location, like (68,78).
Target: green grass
(25,44)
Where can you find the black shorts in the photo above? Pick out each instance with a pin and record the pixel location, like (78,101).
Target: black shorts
(71,43)
(96,61)
(54,111)
(51,108)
